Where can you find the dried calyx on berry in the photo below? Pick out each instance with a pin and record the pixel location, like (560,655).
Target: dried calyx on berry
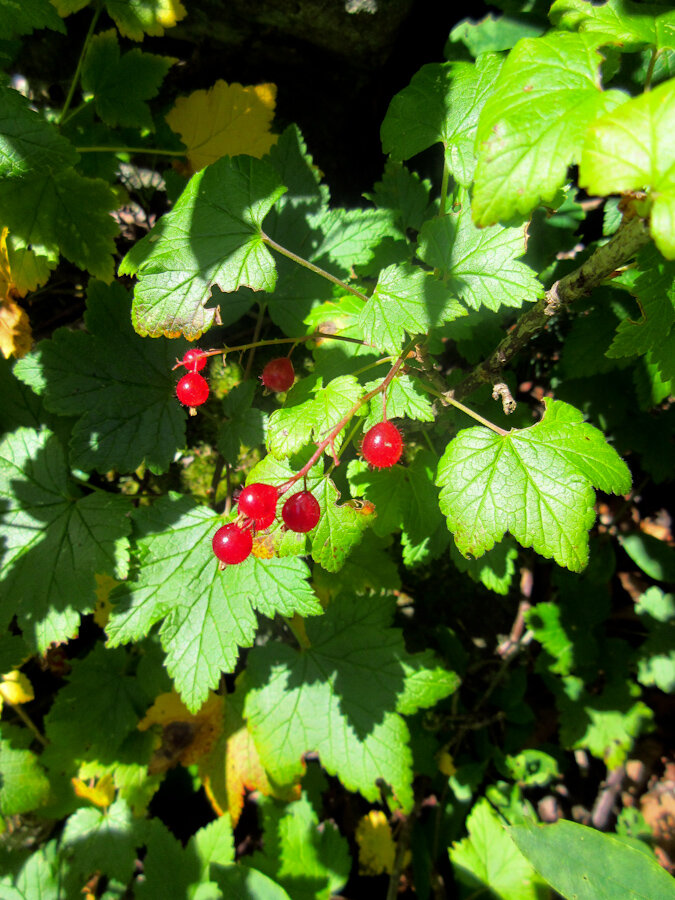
(382,445)
(279,374)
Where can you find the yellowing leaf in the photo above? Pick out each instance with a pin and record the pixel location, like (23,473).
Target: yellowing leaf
(376,845)
(104,585)
(136,18)
(101,792)
(185,736)
(233,767)
(15,334)
(225,120)
(15,688)
(446,763)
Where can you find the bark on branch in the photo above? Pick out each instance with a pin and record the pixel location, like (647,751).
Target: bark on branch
(631,237)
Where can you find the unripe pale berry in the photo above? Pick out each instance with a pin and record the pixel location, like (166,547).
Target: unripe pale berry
(301,512)
(232,544)
(259,502)
(192,389)
(382,445)
(279,374)
(194,359)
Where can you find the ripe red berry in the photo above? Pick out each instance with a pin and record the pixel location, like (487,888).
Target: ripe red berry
(194,359)
(301,512)
(259,502)
(382,445)
(192,389)
(232,544)
(278,374)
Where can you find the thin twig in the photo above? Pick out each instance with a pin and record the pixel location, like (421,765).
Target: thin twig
(601,265)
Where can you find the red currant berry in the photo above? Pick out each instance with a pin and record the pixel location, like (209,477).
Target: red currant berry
(301,512)
(192,389)
(194,360)
(259,502)
(232,544)
(382,445)
(279,374)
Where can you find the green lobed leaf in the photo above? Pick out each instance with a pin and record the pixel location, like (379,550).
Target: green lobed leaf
(206,614)
(243,424)
(309,860)
(97,709)
(168,868)
(29,145)
(416,115)
(369,567)
(405,194)
(136,18)
(494,32)
(406,300)
(241,883)
(663,357)
(630,149)
(314,699)
(349,236)
(212,236)
(340,527)
(24,787)
(533,768)
(122,83)
(632,25)
(295,223)
(479,265)
(494,570)
(39,877)
(653,556)
(587,343)
(309,412)
(535,482)
(120,386)
(441,103)
(20,405)
(214,843)
(656,656)
(27,16)
(405,400)
(63,212)
(13,651)
(487,861)
(606,722)
(405,498)
(55,539)
(583,864)
(101,840)
(533,124)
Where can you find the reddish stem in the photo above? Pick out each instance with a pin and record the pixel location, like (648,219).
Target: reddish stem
(321,446)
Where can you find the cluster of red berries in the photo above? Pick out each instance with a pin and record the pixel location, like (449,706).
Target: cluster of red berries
(233,543)
(193,390)
(382,447)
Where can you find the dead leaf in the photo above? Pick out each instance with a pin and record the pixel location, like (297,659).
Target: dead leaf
(233,767)
(376,844)
(185,736)
(225,120)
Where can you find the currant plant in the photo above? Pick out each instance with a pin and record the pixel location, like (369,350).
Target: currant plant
(430,558)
